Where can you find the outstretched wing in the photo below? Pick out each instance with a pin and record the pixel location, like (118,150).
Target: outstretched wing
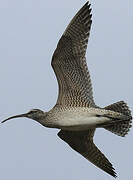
(82,142)
(69,62)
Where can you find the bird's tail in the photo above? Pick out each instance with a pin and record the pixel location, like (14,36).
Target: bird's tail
(120,128)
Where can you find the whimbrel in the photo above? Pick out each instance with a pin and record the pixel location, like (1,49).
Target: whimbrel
(75,113)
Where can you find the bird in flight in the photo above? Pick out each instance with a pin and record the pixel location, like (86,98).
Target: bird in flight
(75,113)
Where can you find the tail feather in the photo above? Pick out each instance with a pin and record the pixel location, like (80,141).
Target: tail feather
(123,127)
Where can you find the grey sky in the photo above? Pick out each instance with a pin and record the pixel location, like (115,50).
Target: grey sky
(29,32)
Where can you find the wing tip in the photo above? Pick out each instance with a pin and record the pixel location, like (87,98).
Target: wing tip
(113,173)
(86,9)
(87,5)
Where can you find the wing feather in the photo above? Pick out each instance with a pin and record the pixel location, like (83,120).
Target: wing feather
(69,62)
(82,142)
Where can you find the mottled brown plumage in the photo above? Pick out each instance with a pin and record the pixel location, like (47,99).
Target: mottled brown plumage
(82,142)
(69,62)
(122,128)
(75,89)
(75,112)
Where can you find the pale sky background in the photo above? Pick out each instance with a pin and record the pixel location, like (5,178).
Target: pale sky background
(29,32)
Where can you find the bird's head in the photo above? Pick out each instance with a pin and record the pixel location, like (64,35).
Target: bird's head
(35,114)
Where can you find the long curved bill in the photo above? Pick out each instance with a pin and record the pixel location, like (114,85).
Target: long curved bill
(12,117)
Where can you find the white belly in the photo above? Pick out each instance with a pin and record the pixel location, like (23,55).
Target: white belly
(74,118)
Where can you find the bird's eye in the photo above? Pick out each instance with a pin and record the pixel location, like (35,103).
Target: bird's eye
(33,111)
(30,112)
